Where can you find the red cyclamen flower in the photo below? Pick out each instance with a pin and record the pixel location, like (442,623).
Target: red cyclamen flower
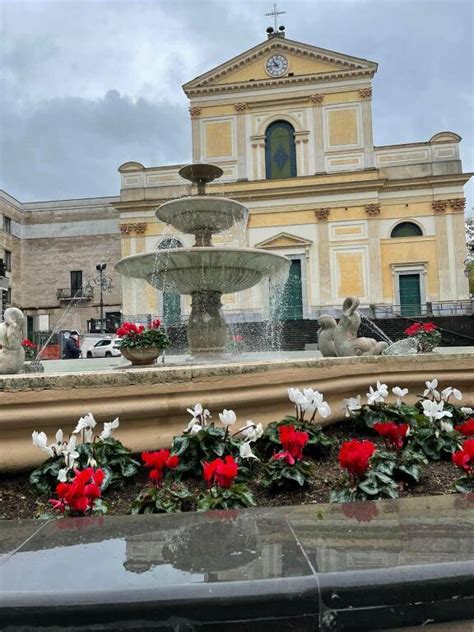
(293,441)
(464,458)
(414,329)
(129,329)
(155,324)
(429,327)
(467,428)
(354,456)
(28,343)
(221,472)
(392,433)
(157,462)
(80,494)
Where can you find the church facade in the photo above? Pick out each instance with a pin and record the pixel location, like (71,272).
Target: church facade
(291,127)
(290,124)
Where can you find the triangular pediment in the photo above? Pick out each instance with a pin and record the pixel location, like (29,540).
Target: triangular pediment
(284,240)
(304,62)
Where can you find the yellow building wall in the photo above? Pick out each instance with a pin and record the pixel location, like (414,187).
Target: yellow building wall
(218,139)
(342,124)
(409,250)
(297,65)
(350,274)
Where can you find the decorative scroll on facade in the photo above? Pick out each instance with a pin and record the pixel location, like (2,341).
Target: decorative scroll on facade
(439,206)
(316,98)
(322,214)
(457,204)
(372,210)
(365,93)
(195,111)
(139,228)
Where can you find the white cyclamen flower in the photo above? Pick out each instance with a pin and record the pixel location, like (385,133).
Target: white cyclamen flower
(448,391)
(431,389)
(227,417)
(88,435)
(108,427)
(59,436)
(245,452)
(296,396)
(434,410)
(352,404)
(87,421)
(399,393)
(466,410)
(447,426)
(378,395)
(62,474)
(194,427)
(315,402)
(40,440)
(196,411)
(252,431)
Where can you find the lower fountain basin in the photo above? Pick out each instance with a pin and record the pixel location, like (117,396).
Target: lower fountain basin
(188,270)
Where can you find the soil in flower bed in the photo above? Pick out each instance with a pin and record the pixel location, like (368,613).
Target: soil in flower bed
(18,500)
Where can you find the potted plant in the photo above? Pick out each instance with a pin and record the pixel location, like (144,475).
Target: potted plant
(140,344)
(427,336)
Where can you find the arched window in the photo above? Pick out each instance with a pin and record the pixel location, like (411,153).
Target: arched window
(406,229)
(280,152)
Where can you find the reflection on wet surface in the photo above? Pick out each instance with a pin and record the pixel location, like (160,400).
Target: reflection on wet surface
(245,545)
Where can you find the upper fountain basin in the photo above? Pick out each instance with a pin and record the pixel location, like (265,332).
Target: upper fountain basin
(202,213)
(188,270)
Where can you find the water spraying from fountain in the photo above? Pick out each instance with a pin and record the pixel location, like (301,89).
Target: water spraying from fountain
(204,271)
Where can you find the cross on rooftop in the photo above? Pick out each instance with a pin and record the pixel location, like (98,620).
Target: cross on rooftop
(275,13)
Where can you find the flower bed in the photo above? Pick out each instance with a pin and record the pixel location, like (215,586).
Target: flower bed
(382,451)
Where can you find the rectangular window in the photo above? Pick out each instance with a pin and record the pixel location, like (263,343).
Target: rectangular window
(76,282)
(7,224)
(7,259)
(8,296)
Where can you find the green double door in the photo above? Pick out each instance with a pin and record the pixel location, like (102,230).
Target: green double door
(410,294)
(292,300)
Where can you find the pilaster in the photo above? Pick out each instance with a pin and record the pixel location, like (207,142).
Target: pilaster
(367,131)
(375,256)
(195,112)
(241,110)
(446,290)
(318,143)
(322,216)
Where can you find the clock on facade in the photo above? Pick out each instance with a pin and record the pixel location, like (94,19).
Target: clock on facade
(276,65)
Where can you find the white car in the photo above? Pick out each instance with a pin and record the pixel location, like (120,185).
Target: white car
(105,348)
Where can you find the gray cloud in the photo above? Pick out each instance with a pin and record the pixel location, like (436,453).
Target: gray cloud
(88,85)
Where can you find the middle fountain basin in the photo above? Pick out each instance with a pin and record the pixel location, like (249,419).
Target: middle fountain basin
(218,269)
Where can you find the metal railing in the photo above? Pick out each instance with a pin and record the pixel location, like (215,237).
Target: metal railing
(68,294)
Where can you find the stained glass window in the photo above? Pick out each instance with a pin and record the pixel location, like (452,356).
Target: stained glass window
(280,152)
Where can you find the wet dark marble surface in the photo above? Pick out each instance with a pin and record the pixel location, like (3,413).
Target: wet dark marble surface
(364,566)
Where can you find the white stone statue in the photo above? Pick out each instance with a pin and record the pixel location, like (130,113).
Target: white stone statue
(344,334)
(12,354)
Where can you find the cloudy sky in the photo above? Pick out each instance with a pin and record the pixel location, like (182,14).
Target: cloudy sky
(86,85)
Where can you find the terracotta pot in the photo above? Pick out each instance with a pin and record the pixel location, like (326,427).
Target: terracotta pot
(147,355)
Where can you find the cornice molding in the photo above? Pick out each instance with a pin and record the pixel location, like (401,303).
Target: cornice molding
(284,81)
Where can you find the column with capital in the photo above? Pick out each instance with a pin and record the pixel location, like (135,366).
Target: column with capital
(325,287)
(241,110)
(446,281)
(195,112)
(375,290)
(318,144)
(367,132)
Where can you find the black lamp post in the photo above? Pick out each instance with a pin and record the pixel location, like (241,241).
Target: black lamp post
(4,285)
(104,283)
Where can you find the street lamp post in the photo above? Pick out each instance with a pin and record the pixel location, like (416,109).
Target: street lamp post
(4,285)
(104,283)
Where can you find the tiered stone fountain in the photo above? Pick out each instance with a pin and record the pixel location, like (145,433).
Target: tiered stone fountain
(206,272)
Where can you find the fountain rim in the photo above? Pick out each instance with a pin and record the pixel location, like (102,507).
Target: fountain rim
(207,199)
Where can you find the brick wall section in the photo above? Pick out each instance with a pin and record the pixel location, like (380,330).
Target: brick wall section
(46,266)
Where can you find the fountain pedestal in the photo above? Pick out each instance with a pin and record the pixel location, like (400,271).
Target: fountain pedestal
(208,331)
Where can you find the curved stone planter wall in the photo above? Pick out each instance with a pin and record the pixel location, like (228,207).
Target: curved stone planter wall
(152,402)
